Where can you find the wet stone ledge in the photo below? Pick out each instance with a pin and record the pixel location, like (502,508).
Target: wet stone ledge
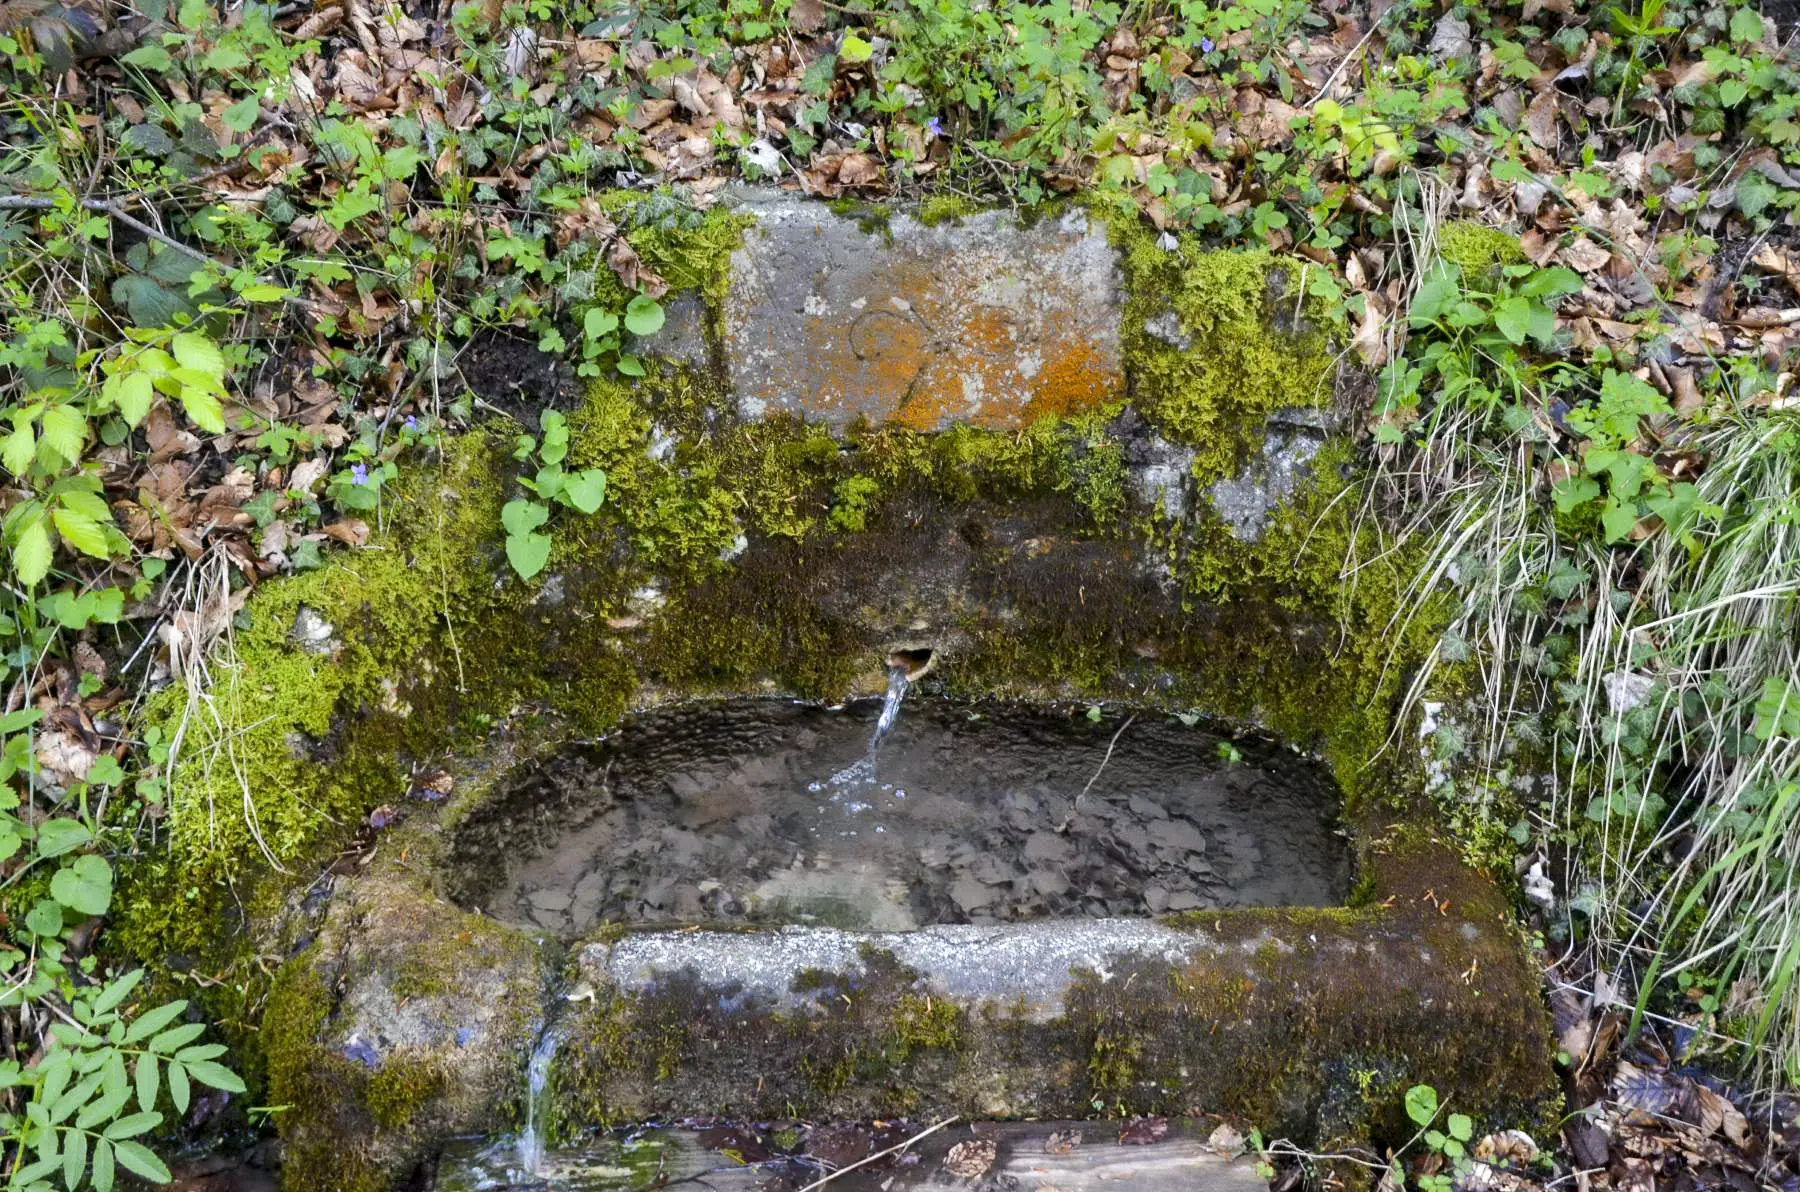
(1311,1022)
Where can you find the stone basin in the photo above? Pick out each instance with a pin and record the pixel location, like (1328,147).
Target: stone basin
(766,812)
(1119,486)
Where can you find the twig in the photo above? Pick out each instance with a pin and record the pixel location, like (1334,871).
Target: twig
(27,203)
(1353,55)
(1070,818)
(899,1146)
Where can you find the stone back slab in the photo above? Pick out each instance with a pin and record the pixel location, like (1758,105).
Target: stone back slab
(979,321)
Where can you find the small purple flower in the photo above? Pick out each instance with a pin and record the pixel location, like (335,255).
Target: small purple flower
(1206,45)
(359,473)
(934,128)
(362,1053)
(411,424)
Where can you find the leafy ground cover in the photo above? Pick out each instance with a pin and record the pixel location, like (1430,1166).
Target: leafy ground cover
(251,257)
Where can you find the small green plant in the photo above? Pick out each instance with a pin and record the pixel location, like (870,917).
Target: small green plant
(1451,1143)
(74,1129)
(527,547)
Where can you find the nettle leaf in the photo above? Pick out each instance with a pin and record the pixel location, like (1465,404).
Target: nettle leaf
(1461,1126)
(148,138)
(63,430)
(528,553)
(203,409)
(86,887)
(31,552)
(197,352)
(19,447)
(147,303)
(130,394)
(80,531)
(520,516)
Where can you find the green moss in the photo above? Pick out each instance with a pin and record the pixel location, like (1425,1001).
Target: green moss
(400,1087)
(1476,248)
(850,501)
(1249,342)
(945,208)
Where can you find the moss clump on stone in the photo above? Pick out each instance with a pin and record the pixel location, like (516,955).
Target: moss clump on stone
(1215,340)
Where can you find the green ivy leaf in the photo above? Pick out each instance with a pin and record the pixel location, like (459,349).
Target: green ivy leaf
(528,553)
(85,887)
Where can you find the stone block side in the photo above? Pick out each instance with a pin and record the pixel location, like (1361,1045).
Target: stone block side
(976,321)
(1311,1023)
(406,1022)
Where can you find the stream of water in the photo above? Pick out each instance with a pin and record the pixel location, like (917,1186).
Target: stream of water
(537,1079)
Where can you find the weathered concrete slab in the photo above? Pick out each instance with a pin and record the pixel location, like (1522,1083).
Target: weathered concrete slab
(976,320)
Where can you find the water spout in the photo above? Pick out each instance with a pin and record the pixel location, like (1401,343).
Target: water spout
(898,681)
